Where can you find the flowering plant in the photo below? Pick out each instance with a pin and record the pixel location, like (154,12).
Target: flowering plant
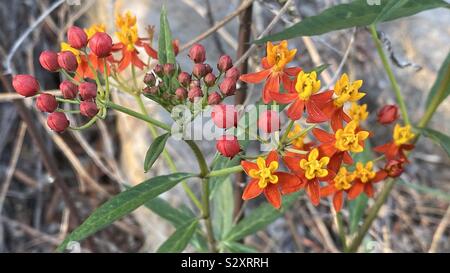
(314,139)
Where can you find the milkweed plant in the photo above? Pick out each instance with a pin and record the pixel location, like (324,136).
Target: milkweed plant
(313,139)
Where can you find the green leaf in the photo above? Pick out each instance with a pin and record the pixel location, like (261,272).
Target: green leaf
(234,247)
(165,48)
(319,69)
(358,13)
(436,193)
(155,150)
(441,87)
(223,206)
(122,204)
(440,138)
(259,219)
(178,241)
(177,217)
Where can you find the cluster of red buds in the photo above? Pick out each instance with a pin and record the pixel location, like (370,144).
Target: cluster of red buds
(170,86)
(79,91)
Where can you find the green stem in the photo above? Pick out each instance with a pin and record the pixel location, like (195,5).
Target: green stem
(206,215)
(371,216)
(133,74)
(288,129)
(226,171)
(204,170)
(67,101)
(340,224)
(137,115)
(390,73)
(72,79)
(68,111)
(167,157)
(87,125)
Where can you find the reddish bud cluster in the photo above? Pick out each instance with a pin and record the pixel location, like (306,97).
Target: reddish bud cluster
(49,60)
(387,114)
(101,44)
(76,37)
(228,146)
(25,85)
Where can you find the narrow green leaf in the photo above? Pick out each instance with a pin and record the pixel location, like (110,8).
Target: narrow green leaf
(223,206)
(441,87)
(438,137)
(234,247)
(155,149)
(259,218)
(165,48)
(358,13)
(319,69)
(178,241)
(122,204)
(177,217)
(436,193)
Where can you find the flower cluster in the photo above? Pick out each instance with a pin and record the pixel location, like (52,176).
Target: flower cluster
(324,166)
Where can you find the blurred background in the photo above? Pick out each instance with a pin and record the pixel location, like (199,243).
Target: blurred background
(46,190)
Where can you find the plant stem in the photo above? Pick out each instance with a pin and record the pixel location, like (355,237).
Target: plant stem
(206,215)
(226,171)
(340,224)
(371,216)
(390,73)
(166,155)
(67,101)
(288,129)
(137,115)
(86,125)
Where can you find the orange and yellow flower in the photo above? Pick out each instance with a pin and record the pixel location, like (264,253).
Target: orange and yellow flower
(274,70)
(345,140)
(265,178)
(341,183)
(365,177)
(345,91)
(310,169)
(402,137)
(305,96)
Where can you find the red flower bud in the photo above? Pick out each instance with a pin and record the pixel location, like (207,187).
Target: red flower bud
(394,168)
(210,79)
(69,90)
(169,69)
(88,90)
(101,44)
(158,69)
(184,79)
(224,116)
(57,121)
(46,103)
(233,73)
(68,61)
(228,86)
(387,114)
(194,93)
(181,93)
(199,71)
(153,90)
(214,98)
(149,79)
(176,46)
(269,121)
(208,69)
(225,62)
(25,85)
(197,53)
(228,146)
(49,60)
(76,37)
(88,109)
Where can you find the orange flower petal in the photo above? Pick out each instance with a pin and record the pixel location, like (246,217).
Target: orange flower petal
(347,158)
(293,163)
(355,190)
(315,115)
(252,190)
(313,191)
(292,71)
(273,195)
(256,77)
(295,111)
(368,189)
(272,86)
(283,98)
(338,199)
(379,176)
(327,190)
(272,156)
(289,183)
(247,166)
(323,136)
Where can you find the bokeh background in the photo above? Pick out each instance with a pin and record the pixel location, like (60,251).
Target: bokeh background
(95,163)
